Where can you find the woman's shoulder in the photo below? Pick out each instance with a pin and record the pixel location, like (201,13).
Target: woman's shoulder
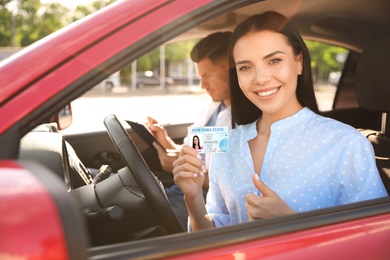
(244,129)
(242,133)
(332,126)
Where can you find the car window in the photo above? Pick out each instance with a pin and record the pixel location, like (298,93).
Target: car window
(136,92)
(327,62)
(180,98)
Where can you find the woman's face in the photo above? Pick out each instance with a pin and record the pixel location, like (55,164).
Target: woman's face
(268,72)
(196,140)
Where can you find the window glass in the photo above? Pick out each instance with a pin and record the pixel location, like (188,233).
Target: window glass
(136,92)
(327,62)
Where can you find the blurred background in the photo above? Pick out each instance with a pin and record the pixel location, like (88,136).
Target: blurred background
(23,22)
(166,75)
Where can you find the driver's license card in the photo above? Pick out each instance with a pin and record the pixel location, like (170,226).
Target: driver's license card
(209,139)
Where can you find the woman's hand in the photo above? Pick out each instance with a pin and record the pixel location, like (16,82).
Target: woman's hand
(266,206)
(188,174)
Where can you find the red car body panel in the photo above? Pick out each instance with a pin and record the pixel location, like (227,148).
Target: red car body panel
(30,226)
(62,61)
(64,58)
(343,241)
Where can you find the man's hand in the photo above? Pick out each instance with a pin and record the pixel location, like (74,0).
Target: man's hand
(167,157)
(160,133)
(266,206)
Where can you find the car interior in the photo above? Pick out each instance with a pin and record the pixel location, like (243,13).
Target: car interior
(373,94)
(131,204)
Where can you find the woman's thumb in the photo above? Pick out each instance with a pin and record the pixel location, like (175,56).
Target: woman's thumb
(260,185)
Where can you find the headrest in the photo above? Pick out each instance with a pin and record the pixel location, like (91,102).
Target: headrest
(373,75)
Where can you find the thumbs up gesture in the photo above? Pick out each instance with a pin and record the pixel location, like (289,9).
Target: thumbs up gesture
(266,206)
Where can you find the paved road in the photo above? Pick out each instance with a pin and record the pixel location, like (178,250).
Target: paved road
(177,104)
(168,106)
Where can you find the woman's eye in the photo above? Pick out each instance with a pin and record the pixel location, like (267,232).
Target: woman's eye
(273,61)
(243,68)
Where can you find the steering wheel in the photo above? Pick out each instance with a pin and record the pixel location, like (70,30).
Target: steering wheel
(150,186)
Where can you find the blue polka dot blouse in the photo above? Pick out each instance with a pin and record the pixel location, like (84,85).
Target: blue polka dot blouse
(311,162)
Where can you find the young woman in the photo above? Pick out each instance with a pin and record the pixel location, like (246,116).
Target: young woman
(196,144)
(284,157)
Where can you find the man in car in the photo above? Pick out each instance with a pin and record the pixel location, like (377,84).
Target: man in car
(210,56)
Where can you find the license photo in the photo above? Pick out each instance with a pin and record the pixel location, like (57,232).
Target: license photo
(209,139)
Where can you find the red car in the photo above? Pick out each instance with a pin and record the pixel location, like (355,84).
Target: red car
(50,209)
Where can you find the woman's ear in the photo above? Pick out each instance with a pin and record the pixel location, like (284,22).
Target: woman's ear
(300,64)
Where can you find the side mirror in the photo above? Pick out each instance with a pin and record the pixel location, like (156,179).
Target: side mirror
(64,117)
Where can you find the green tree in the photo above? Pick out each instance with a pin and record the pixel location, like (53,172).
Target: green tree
(149,61)
(177,51)
(84,10)
(37,20)
(184,48)
(5,24)
(29,21)
(32,21)
(53,18)
(324,59)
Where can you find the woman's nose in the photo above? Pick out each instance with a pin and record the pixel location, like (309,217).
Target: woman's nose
(262,76)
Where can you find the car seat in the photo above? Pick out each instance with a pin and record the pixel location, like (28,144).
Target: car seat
(373,93)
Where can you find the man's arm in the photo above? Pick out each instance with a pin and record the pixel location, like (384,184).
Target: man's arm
(161,134)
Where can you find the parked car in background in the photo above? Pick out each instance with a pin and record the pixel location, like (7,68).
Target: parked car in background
(113,81)
(334,77)
(52,208)
(148,78)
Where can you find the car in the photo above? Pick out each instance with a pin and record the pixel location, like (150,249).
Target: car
(334,77)
(148,78)
(51,207)
(113,81)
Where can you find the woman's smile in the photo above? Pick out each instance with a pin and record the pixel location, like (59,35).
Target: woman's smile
(267,93)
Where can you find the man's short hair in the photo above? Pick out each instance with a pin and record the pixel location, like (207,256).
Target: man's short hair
(214,47)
